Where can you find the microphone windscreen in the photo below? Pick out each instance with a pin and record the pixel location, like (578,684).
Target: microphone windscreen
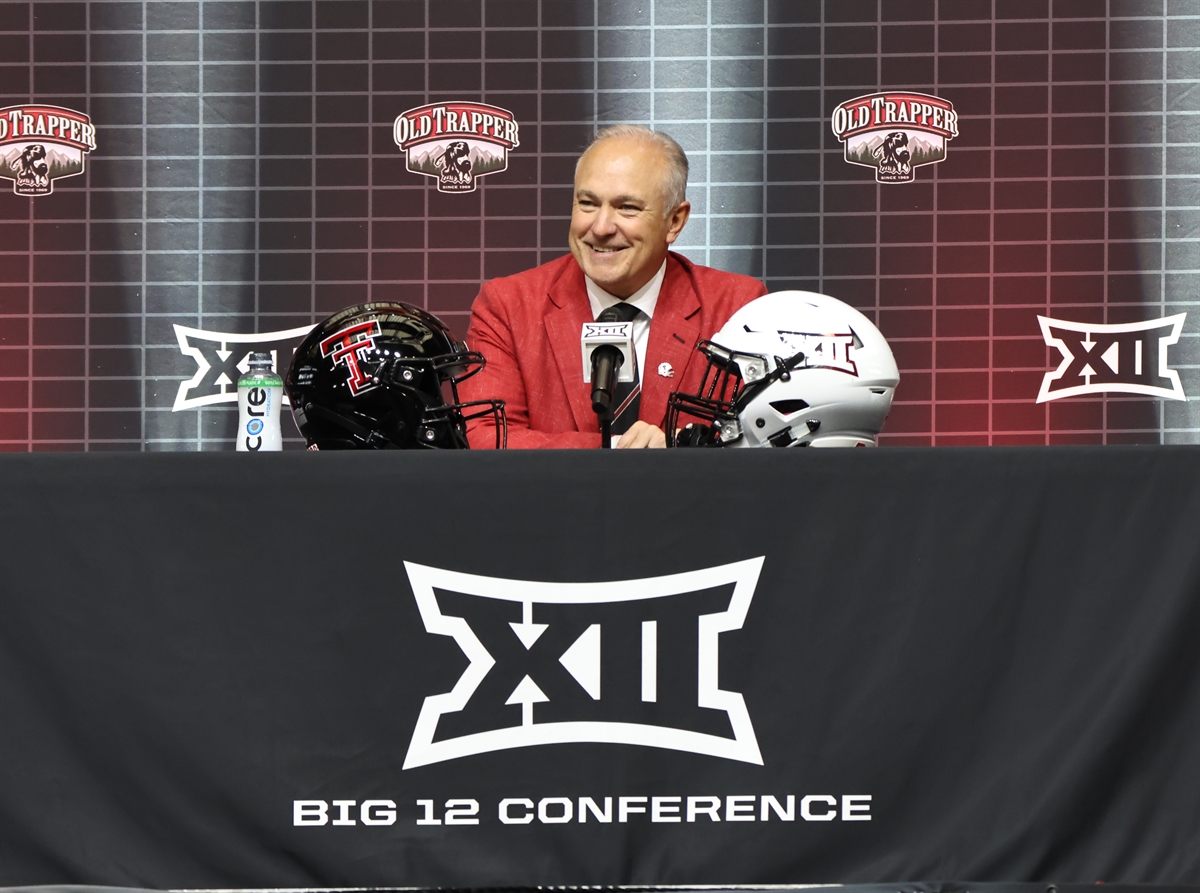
(614,333)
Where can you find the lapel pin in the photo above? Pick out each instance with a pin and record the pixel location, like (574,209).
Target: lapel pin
(666,370)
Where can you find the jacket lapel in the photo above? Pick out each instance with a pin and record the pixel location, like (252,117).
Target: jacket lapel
(564,323)
(673,335)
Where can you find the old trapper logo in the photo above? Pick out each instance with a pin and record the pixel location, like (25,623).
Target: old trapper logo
(1128,358)
(895,133)
(42,143)
(556,663)
(222,356)
(456,142)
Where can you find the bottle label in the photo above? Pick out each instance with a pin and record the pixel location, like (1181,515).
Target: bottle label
(259,400)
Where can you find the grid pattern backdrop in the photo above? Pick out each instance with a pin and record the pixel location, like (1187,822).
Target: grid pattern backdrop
(246,181)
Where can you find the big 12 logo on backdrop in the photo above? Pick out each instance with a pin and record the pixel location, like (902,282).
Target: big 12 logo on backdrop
(1099,358)
(221,357)
(558,663)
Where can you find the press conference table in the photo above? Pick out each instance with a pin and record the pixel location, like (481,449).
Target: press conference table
(676,667)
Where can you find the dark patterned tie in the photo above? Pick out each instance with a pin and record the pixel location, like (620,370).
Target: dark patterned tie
(626,395)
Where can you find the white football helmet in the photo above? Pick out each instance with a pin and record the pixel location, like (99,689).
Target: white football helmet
(793,368)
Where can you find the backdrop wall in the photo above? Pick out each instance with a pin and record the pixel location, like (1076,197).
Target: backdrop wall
(245,181)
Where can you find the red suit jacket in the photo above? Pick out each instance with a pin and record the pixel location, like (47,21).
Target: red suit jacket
(528,327)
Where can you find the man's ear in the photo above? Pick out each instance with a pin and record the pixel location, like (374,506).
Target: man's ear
(676,221)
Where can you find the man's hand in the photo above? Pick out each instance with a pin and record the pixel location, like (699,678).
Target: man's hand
(642,435)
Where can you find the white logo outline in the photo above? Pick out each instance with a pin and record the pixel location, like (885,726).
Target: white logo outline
(1175,392)
(743,746)
(182,400)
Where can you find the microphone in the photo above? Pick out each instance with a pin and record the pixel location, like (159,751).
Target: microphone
(608,358)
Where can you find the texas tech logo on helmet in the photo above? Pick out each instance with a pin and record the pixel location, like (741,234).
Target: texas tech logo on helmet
(42,143)
(347,348)
(223,356)
(456,142)
(895,132)
(1128,358)
(549,663)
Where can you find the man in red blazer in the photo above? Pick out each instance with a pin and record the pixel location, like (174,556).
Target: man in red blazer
(629,207)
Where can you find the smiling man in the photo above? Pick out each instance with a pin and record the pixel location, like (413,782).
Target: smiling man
(629,207)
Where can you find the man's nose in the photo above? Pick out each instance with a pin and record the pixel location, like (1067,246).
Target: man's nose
(604,223)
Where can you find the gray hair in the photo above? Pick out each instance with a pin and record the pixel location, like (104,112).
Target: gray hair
(675,187)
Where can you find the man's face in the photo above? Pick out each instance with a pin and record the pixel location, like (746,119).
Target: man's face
(619,235)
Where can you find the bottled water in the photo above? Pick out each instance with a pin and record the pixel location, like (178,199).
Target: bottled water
(260,394)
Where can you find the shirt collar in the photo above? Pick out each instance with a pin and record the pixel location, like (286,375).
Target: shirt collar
(645,298)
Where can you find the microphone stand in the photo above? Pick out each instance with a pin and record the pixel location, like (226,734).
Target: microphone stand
(606,363)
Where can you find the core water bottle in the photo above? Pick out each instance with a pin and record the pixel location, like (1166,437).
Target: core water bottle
(260,394)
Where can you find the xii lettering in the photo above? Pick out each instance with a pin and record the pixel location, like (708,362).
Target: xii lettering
(1106,357)
(222,370)
(1122,357)
(614,662)
(628,662)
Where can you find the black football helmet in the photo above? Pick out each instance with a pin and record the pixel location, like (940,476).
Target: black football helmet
(385,376)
